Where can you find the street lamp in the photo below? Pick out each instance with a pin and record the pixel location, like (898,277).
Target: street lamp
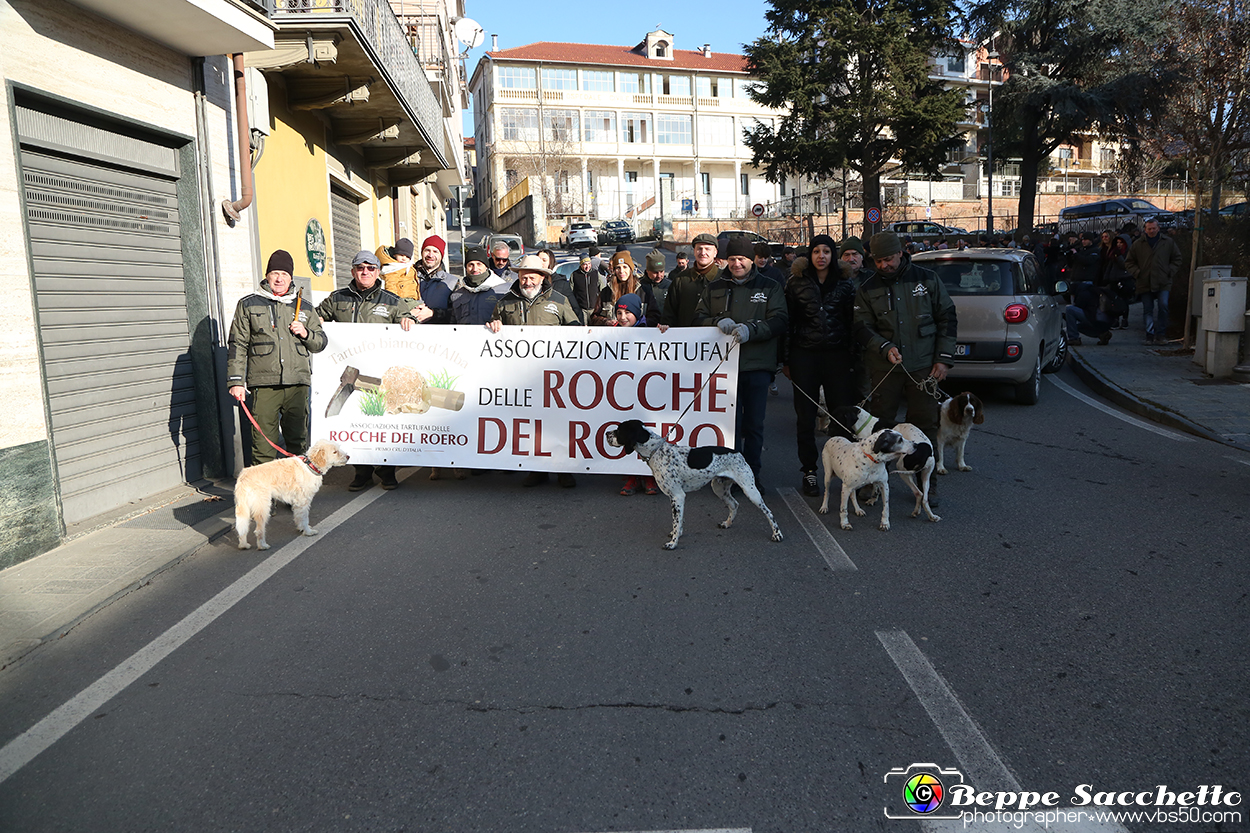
(989,155)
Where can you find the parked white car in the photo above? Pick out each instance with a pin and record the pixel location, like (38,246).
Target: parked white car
(579,234)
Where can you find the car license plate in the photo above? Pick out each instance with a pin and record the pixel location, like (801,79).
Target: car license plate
(963,349)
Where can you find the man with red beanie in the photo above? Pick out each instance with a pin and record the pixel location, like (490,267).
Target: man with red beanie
(436,282)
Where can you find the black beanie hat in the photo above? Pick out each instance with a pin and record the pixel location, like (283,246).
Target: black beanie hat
(824,240)
(280,261)
(740,247)
(403,246)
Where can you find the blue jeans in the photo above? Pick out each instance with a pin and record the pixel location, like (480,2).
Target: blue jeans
(752,401)
(1078,322)
(1156,328)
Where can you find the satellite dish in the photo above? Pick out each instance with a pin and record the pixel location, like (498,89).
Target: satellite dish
(469,32)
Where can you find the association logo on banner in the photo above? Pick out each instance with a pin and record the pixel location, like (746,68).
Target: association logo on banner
(535,398)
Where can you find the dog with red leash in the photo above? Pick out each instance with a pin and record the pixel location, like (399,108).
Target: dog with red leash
(292,480)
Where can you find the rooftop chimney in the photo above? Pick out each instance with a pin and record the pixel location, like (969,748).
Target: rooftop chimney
(494,43)
(707,50)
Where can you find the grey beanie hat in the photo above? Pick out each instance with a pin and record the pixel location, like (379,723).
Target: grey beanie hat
(884,244)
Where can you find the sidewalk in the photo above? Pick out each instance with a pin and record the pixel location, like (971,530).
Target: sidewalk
(1164,385)
(43,598)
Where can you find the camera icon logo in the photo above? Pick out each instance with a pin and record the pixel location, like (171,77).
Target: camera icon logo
(920,790)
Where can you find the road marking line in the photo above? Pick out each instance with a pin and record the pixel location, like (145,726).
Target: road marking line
(23,749)
(700,830)
(1238,460)
(978,761)
(816,530)
(1107,409)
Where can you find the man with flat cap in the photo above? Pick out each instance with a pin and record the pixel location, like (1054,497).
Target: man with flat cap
(365,301)
(688,286)
(905,320)
(270,343)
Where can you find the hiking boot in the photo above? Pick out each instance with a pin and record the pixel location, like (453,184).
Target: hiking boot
(361,482)
(387,475)
(811,487)
(1074,342)
(649,487)
(1150,341)
(1105,337)
(631,486)
(565,480)
(535,478)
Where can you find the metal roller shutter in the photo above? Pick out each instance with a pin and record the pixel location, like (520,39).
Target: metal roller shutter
(344,233)
(106,249)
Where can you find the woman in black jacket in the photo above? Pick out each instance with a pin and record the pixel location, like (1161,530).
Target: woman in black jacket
(820,352)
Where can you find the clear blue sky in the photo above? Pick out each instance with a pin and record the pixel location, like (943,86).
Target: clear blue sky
(725,25)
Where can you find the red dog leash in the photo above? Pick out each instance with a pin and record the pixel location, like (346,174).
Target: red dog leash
(278,449)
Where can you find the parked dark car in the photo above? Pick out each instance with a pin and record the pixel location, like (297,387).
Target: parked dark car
(778,249)
(1237,209)
(618,231)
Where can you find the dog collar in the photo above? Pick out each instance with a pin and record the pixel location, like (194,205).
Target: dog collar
(308,462)
(859,426)
(868,454)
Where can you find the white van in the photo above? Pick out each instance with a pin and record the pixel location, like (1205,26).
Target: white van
(1113,215)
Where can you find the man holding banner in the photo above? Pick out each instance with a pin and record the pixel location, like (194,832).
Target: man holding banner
(531,302)
(744,303)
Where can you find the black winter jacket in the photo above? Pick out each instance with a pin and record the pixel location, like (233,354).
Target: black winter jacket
(822,316)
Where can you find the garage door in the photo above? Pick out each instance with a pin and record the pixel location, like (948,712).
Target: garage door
(105,243)
(344,233)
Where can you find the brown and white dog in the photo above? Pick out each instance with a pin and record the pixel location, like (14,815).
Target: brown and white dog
(292,480)
(958,415)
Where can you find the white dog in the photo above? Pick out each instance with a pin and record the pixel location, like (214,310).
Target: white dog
(292,480)
(862,463)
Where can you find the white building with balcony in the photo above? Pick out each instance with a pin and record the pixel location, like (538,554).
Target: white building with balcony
(606,132)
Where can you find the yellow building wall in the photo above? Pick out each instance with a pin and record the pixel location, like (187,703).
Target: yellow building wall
(292,187)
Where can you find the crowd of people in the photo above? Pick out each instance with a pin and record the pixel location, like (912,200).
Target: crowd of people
(845,323)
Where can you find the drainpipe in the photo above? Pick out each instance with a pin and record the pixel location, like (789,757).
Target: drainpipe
(233,209)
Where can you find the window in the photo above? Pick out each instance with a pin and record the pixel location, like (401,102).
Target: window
(744,183)
(671,129)
(706,182)
(631,176)
(600,126)
(716,130)
(561,126)
(1064,153)
(559,79)
(636,128)
(635,82)
(676,84)
(517,78)
(661,48)
(518,124)
(597,81)
(743,87)
(562,180)
(708,86)
(510,179)
(956,64)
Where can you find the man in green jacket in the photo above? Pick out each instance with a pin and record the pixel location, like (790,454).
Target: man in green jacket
(906,321)
(683,296)
(531,302)
(365,301)
(269,348)
(1153,260)
(744,303)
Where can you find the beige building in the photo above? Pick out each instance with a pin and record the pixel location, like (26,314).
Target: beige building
(608,132)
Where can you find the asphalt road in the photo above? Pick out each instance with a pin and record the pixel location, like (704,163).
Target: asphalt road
(475,656)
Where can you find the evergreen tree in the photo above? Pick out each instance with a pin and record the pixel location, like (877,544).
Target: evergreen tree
(1072,66)
(854,77)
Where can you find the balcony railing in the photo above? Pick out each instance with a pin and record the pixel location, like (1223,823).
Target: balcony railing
(265,7)
(384,39)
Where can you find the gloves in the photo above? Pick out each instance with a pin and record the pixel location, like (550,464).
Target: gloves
(727,326)
(742,333)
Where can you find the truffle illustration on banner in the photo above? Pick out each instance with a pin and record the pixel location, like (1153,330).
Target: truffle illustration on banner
(400,390)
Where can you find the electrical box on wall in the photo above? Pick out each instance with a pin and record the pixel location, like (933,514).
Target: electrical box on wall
(257,100)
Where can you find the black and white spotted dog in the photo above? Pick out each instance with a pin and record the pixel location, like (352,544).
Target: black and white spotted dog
(679,470)
(862,463)
(915,468)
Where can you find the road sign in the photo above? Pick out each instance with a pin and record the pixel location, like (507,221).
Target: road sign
(758,209)
(873,215)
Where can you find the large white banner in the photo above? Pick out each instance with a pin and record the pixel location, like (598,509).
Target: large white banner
(531,398)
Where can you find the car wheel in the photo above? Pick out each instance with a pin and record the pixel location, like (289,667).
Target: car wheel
(1061,354)
(1030,390)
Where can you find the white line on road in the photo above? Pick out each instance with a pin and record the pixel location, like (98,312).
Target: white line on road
(1238,460)
(816,530)
(701,830)
(1106,409)
(978,761)
(22,749)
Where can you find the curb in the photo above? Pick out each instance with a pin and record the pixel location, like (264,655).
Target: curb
(1129,401)
(210,529)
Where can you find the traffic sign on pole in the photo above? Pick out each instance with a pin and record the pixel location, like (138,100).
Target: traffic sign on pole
(758,209)
(873,216)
